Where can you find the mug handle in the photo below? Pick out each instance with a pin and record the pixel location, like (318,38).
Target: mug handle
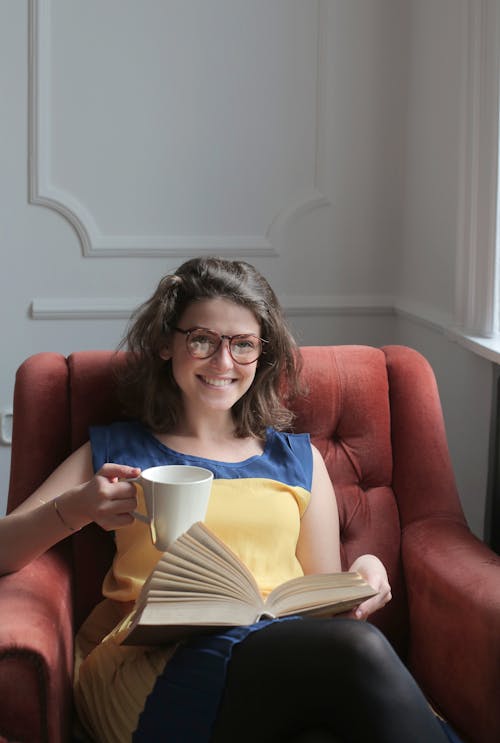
(141,517)
(136,514)
(146,519)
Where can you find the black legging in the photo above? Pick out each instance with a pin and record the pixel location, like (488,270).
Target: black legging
(338,676)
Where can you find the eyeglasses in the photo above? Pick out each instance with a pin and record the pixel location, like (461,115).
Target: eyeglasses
(202,343)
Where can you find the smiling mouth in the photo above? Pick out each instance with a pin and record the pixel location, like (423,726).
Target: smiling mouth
(216,381)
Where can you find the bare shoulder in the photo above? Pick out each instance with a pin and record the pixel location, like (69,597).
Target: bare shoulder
(320,470)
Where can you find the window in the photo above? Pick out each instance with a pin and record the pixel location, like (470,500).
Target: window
(478,254)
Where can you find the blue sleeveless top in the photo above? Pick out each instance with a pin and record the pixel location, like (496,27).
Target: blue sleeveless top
(286,457)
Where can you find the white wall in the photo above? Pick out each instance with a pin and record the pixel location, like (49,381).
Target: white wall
(433,185)
(327,158)
(466,386)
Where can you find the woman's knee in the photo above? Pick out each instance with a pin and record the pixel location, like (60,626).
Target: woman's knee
(364,645)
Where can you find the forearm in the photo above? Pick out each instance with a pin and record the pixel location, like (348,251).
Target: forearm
(67,501)
(37,523)
(24,535)
(71,497)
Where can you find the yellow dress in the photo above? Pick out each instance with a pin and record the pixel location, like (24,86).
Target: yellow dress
(258,517)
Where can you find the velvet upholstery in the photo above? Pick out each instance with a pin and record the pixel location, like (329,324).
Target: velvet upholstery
(376,418)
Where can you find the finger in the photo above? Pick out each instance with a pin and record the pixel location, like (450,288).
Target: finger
(124,519)
(118,521)
(366,608)
(112,471)
(114,497)
(116,507)
(122,497)
(356,613)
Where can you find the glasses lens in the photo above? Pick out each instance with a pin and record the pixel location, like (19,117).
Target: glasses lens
(245,348)
(202,343)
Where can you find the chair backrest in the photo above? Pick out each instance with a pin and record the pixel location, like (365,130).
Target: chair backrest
(373,413)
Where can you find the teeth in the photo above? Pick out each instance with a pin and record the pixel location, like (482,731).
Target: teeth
(216,382)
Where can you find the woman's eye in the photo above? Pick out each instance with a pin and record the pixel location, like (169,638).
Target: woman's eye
(244,345)
(202,343)
(201,340)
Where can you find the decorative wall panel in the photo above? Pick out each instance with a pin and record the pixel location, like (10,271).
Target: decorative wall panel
(164,127)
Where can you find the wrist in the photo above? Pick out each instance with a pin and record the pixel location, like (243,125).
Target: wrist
(68,512)
(61,517)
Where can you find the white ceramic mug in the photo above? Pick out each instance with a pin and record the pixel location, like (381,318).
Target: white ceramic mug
(176,496)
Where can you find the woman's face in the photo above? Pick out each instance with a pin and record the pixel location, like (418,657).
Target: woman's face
(217,382)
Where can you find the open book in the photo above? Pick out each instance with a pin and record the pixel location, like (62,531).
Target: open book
(199,584)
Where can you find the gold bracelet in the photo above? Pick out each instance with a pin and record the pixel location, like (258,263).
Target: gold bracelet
(61,518)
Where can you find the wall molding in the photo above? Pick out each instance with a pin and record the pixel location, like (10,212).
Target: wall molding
(93,242)
(118,308)
(83,308)
(121,308)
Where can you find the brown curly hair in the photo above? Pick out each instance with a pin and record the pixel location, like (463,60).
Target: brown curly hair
(146,383)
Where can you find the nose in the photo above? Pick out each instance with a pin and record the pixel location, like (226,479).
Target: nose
(222,358)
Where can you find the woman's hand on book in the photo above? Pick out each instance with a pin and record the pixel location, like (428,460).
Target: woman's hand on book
(374,572)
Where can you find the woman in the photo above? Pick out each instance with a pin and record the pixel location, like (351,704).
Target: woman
(209,352)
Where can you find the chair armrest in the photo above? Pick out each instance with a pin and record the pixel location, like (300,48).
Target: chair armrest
(453,583)
(36,649)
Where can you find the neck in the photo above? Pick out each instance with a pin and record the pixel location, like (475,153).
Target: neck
(218,426)
(212,442)
(212,436)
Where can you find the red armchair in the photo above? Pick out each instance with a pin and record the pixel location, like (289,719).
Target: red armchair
(376,417)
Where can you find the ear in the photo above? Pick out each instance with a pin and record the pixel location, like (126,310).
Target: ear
(165,353)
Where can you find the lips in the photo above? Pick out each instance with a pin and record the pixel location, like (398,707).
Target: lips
(216,381)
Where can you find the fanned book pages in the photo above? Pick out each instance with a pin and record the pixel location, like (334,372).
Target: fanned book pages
(199,584)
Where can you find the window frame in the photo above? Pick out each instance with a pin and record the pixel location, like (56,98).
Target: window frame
(477,280)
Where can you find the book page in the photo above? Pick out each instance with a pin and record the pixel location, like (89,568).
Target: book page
(312,593)
(200,564)
(218,549)
(184,571)
(203,564)
(205,556)
(195,554)
(199,612)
